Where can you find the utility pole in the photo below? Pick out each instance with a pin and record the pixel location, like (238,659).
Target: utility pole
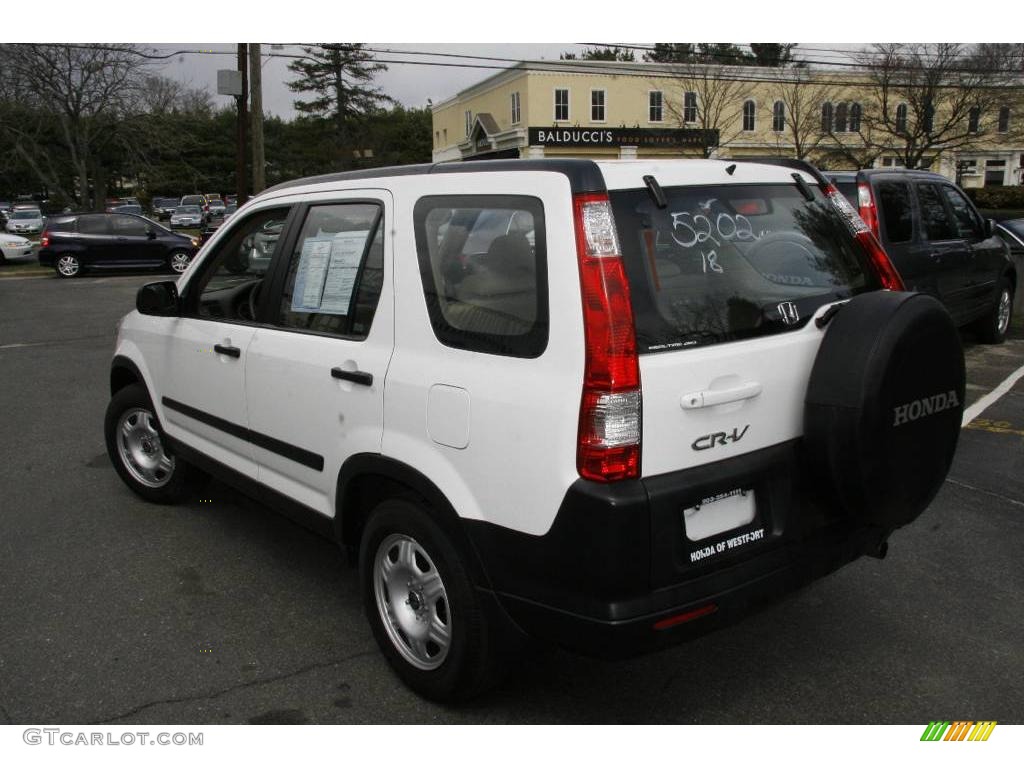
(259,181)
(243,118)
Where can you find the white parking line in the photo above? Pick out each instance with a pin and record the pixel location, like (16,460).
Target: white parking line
(976,410)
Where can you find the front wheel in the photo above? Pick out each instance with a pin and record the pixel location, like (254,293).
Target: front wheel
(138,451)
(68,266)
(179,261)
(993,326)
(422,607)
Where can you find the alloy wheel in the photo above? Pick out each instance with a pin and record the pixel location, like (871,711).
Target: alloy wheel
(140,448)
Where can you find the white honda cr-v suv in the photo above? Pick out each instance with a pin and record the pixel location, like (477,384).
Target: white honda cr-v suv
(606,404)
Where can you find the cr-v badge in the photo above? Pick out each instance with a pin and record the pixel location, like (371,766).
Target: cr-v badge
(704,442)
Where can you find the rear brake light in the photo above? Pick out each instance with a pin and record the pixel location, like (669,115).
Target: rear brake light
(608,446)
(868,212)
(44,240)
(883,266)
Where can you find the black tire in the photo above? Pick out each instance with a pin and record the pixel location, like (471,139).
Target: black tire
(884,404)
(178,261)
(471,661)
(130,409)
(992,328)
(67,265)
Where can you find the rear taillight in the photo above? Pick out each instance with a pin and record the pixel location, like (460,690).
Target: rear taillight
(608,446)
(868,212)
(44,240)
(883,266)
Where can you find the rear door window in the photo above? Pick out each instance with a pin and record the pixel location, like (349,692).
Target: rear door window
(723,263)
(934,218)
(897,211)
(93,225)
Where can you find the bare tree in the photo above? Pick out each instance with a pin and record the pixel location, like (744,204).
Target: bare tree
(720,92)
(925,99)
(75,96)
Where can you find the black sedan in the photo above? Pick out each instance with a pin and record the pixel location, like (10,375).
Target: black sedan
(75,243)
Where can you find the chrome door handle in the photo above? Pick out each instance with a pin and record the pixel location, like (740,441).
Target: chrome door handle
(705,398)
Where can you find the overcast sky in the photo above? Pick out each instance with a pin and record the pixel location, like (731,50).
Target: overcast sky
(411,84)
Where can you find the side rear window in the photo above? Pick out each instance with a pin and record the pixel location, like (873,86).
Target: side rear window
(934,218)
(484,269)
(724,263)
(897,211)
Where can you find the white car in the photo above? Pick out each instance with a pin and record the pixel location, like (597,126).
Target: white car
(14,247)
(187,216)
(610,405)
(27,221)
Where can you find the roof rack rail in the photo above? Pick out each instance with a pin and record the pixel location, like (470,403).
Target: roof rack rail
(785,162)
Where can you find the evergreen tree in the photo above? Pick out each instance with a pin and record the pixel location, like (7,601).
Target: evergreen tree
(667,53)
(772,54)
(340,76)
(613,53)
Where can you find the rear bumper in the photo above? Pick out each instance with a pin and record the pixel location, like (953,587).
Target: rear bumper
(616,575)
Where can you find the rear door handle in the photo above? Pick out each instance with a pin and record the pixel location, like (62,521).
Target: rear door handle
(705,398)
(359,377)
(220,349)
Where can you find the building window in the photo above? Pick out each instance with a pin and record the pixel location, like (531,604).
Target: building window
(690,107)
(778,117)
(516,114)
(901,118)
(826,117)
(469,122)
(561,103)
(444,134)
(748,115)
(973,119)
(654,107)
(597,106)
(891,162)
(995,172)
(855,112)
(840,119)
(1004,119)
(437,138)
(929,117)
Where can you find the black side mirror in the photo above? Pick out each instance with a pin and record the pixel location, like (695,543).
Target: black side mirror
(160,299)
(990,228)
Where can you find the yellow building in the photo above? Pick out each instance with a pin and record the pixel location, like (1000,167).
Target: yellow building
(627,110)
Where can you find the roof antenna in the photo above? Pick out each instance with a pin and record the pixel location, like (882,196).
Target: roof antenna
(730,169)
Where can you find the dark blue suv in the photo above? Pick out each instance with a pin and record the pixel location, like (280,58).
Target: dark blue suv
(73,243)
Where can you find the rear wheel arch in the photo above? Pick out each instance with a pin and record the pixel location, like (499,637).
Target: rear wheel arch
(366,480)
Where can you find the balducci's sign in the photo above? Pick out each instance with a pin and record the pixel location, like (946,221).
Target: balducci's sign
(622,137)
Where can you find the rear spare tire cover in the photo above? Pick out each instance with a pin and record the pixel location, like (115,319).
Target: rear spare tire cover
(884,404)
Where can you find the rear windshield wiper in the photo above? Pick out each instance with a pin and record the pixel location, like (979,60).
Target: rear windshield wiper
(656,192)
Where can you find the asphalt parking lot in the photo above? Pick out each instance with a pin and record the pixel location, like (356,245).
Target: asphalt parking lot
(220,611)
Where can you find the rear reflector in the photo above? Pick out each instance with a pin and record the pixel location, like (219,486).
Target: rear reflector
(682,618)
(608,446)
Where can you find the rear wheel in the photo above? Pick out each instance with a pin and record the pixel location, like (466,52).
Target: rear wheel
(68,266)
(421,604)
(993,326)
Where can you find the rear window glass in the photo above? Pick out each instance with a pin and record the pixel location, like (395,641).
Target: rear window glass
(897,211)
(723,263)
(483,265)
